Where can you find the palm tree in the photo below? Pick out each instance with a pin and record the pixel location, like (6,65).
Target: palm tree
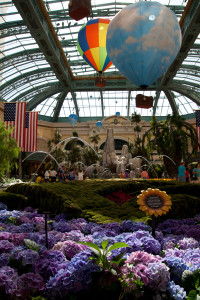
(94,138)
(58,153)
(137,148)
(174,138)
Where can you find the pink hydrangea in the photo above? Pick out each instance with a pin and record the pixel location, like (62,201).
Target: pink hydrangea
(145,268)
(69,248)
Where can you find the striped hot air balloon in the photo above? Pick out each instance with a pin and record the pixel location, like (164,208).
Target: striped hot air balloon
(91,44)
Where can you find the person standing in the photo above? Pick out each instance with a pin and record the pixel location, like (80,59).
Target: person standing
(46,176)
(187,175)
(62,174)
(53,175)
(144,174)
(196,172)
(181,172)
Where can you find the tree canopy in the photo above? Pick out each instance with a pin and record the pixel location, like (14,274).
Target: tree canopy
(8,149)
(174,138)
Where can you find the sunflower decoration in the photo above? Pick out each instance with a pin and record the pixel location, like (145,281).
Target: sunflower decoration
(154,202)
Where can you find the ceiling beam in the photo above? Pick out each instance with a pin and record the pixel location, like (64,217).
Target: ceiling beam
(172,102)
(75,103)
(186,91)
(30,93)
(41,97)
(102,104)
(156,98)
(128,107)
(60,99)
(190,30)
(36,18)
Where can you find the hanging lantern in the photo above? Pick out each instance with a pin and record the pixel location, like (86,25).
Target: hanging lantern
(79,9)
(143,101)
(73,119)
(99,124)
(100,81)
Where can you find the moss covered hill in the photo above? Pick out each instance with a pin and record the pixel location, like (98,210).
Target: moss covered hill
(88,198)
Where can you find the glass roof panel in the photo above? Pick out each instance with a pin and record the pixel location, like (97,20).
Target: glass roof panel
(25,70)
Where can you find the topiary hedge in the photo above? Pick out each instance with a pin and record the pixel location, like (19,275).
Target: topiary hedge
(87,198)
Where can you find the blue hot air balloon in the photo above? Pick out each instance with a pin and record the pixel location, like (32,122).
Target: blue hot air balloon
(73,119)
(142,41)
(117,113)
(99,124)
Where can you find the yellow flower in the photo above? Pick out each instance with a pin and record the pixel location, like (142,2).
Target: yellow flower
(154,202)
(39,179)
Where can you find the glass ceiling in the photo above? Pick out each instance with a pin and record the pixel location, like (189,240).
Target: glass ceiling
(27,75)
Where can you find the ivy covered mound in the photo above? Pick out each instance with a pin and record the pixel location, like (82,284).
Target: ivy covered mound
(102,201)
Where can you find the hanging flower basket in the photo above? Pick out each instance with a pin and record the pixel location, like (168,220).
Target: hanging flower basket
(79,9)
(143,101)
(100,81)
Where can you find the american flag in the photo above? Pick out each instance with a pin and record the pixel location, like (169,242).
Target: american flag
(197,113)
(14,117)
(30,141)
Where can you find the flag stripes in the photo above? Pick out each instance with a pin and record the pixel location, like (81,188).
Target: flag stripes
(24,125)
(30,140)
(14,116)
(197,114)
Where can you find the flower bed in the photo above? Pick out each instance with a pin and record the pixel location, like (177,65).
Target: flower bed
(119,197)
(166,266)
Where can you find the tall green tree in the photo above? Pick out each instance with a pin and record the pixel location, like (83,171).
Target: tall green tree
(173,137)
(57,152)
(94,138)
(136,148)
(74,155)
(9,150)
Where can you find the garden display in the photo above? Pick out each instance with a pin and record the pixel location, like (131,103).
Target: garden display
(94,239)
(85,259)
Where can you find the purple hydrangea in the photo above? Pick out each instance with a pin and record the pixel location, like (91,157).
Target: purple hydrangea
(4,259)
(28,285)
(186,243)
(7,280)
(76,277)
(18,238)
(78,224)
(74,235)
(175,291)
(3,206)
(62,226)
(5,246)
(69,248)
(28,257)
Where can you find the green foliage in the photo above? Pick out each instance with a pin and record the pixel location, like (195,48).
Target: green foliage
(174,138)
(136,148)
(102,254)
(89,156)
(87,199)
(8,149)
(31,245)
(74,155)
(57,152)
(191,283)
(94,138)
(135,118)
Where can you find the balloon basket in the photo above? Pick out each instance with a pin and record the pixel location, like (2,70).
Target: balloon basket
(79,9)
(143,101)
(100,81)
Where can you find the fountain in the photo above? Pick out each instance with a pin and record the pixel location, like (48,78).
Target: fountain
(49,153)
